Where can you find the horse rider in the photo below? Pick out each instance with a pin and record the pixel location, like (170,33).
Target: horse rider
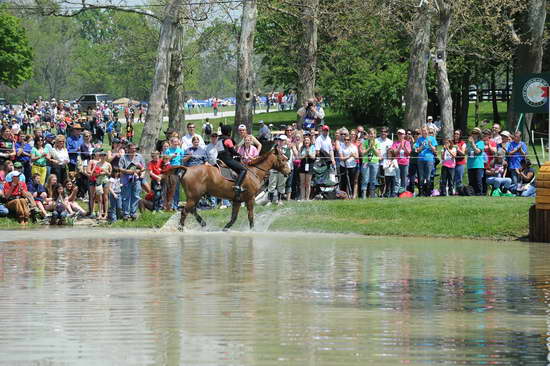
(227,154)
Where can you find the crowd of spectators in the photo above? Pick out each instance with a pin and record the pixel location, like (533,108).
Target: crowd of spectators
(56,167)
(57,164)
(368,163)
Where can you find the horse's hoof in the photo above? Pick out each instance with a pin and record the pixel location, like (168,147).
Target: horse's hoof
(181,228)
(203,224)
(225,229)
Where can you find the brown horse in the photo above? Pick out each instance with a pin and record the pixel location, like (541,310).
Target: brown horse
(206,179)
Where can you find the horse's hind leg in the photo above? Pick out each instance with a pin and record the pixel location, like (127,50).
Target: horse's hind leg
(250,208)
(234,214)
(200,220)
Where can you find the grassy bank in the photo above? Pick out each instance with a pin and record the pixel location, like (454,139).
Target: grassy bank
(461,217)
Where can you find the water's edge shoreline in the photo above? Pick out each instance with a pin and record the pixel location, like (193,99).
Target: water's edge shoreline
(470,218)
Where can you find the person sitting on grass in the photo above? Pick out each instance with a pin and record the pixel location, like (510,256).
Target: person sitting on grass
(62,208)
(496,174)
(526,186)
(39,193)
(71,192)
(17,203)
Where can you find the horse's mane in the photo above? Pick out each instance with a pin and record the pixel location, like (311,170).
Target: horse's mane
(267,148)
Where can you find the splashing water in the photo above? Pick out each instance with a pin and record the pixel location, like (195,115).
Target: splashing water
(172,224)
(262,222)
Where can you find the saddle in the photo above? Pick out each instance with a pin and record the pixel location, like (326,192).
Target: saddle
(226,172)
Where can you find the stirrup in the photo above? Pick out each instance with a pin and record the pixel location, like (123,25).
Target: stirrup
(238,189)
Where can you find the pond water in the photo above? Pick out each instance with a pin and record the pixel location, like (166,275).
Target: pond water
(91,297)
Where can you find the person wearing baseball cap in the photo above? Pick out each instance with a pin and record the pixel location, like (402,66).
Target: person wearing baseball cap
(17,170)
(242,135)
(323,145)
(475,162)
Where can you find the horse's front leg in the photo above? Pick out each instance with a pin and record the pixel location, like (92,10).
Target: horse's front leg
(199,218)
(250,208)
(236,205)
(188,208)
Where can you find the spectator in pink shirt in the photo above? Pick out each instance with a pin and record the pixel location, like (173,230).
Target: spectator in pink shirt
(402,147)
(448,164)
(247,151)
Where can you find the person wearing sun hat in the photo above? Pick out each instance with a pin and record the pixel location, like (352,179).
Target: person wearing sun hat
(14,193)
(475,160)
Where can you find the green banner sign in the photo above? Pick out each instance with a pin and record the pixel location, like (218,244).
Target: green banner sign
(531,93)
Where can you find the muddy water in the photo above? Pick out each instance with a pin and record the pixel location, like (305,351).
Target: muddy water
(88,297)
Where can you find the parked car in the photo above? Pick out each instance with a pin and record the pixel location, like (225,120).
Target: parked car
(92,100)
(3,102)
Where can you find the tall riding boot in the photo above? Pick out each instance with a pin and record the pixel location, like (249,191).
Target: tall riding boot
(238,185)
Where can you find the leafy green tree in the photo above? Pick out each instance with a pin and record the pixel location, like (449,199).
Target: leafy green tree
(15,52)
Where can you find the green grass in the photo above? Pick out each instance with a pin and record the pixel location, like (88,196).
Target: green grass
(147,220)
(464,217)
(502,218)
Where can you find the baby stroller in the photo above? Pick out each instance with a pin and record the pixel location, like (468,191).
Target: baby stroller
(324,181)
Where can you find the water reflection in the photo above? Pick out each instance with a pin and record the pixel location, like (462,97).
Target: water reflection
(215,299)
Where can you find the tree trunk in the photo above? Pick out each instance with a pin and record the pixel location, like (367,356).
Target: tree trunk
(308,67)
(528,55)
(416,96)
(154,116)
(496,115)
(463,121)
(443,86)
(245,67)
(176,89)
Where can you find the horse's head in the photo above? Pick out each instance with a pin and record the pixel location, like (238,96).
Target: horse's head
(280,162)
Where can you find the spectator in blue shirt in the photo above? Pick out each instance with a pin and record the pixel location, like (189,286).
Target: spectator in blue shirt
(516,151)
(23,151)
(426,147)
(195,155)
(476,161)
(176,153)
(74,141)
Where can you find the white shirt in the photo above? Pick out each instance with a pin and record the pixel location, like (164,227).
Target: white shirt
(212,153)
(384,146)
(348,151)
(186,141)
(324,143)
(60,155)
(390,167)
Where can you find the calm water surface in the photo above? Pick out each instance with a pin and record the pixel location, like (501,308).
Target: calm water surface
(140,298)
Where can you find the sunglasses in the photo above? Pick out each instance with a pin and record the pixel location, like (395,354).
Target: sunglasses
(346,140)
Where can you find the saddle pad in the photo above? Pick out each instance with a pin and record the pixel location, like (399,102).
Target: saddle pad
(226,172)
